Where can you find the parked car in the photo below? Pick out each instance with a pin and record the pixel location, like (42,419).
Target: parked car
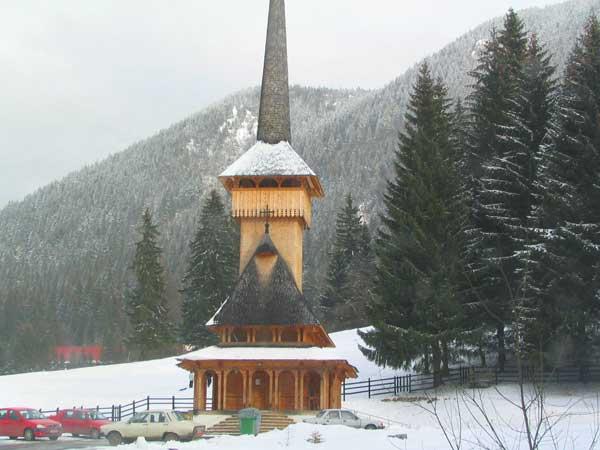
(29,423)
(344,417)
(86,422)
(153,425)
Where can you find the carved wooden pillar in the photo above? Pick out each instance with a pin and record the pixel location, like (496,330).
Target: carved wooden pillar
(199,390)
(244,388)
(296,385)
(327,388)
(225,376)
(219,400)
(302,390)
(276,391)
(271,384)
(322,390)
(250,387)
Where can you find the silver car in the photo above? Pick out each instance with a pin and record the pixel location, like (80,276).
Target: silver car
(344,417)
(153,425)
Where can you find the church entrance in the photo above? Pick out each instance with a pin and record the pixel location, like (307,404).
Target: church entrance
(234,400)
(312,391)
(287,391)
(260,390)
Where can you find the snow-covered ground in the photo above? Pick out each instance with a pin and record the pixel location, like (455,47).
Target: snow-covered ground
(575,408)
(122,383)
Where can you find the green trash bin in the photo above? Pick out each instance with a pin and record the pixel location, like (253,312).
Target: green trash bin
(249,421)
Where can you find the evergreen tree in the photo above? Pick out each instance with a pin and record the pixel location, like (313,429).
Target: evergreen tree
(350,272)
(565,263)
(148,315)
(212,271)
(417,312)
(494,113)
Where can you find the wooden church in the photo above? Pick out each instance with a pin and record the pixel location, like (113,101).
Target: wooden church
(273,352)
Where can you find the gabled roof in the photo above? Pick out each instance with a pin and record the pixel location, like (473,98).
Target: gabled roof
(264,159)
(278,301)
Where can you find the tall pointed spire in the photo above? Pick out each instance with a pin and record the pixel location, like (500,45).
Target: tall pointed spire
(274,118)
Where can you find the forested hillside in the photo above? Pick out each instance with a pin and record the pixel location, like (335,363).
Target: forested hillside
(66,250)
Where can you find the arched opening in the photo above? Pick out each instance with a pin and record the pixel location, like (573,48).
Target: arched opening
(268,183)
(264,335)
(235,392)
(312,391)
(210,390)
(239,335)
(291,182)
(247,183)
(260,390)
(289,335)
(287,391)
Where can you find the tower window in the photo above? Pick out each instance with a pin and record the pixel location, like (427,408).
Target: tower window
(291,182)
(247,183)
(269,183)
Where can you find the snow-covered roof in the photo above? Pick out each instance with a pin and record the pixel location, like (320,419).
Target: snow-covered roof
(264,159)
(264,353)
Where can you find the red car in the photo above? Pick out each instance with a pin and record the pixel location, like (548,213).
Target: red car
(85,422)
(29,423)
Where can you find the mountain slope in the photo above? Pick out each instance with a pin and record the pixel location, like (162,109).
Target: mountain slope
(66,248)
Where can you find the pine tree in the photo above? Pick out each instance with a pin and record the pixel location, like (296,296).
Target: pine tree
(146,309)
(494,114)
(212,271)
(350,272)
(417,312)
(565,263)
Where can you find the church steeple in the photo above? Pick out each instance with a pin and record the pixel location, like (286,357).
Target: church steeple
(274,117)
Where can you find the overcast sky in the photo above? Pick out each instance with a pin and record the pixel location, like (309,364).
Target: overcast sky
(82,79)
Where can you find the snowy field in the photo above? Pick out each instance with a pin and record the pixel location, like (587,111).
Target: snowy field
(122,383)
(571,410)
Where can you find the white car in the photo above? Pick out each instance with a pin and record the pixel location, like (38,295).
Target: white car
(153,425)
(344,417)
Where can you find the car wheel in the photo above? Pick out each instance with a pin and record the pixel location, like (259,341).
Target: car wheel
(28,435)
(114,438)
(12,438)
(53,438)
(170,437)
(95,433)
(74,434)
(370,427)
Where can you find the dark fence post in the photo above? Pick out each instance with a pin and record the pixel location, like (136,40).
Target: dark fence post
(120,418)
(173,402)
(344,390)
(369,387)
(147,403)
(133,409)
(410,383)
(112,413)
(395,385)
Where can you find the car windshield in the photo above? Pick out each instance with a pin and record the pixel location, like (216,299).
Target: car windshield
(32,414)
(321,413)
(179,416)
(97,415)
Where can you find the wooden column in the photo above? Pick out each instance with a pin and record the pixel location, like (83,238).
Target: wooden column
(296,384)
(219,399)
(276,391)
(225,375)
(244,388)
(327,388)
(271,384)
(302,390)
(250,387)
(199,390)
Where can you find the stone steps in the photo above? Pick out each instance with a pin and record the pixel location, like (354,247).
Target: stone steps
(231,425)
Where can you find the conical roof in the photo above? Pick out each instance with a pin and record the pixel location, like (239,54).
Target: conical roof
(274,117)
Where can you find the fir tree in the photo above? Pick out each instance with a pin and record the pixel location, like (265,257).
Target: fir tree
(565,263)
(417,311)
(494,113)
(146,303)
(212,271)
(350,272)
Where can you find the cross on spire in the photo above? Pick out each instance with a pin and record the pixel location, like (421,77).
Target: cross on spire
(267,213)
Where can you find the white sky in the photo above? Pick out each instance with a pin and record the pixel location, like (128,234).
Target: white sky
(82,79)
